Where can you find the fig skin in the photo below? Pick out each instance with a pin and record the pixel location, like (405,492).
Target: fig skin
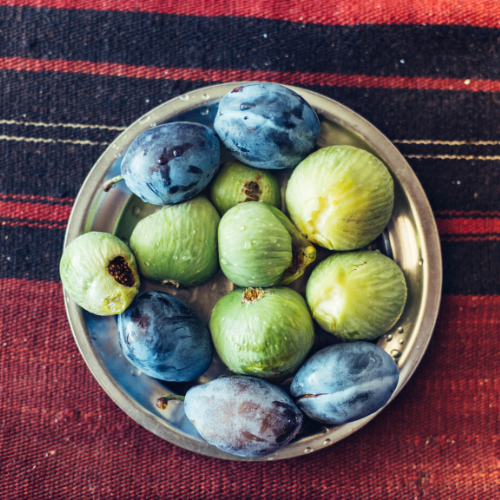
(244,416)
(345,382)
(340,197)
(237,183)
(266,333)
(178,244)
(259,246)
(99,272)
(357,295)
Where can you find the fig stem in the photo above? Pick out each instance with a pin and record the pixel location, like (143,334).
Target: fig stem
(111,182)
(162,402)
(310,252)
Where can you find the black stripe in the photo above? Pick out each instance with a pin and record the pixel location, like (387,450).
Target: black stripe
(471,268)
(34,253)
(56,170)
(231,42)
(400,114)
(460,184)
(31,253)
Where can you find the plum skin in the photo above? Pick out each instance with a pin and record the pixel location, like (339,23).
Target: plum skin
(165,338)
(266,125)
(171,163)
(244,416)
(345,382)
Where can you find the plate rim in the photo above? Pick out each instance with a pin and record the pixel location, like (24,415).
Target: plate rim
(427,230)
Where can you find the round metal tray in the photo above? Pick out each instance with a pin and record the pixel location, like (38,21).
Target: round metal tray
(411,238)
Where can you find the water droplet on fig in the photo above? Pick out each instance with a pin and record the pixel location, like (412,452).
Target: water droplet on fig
(147,263)
(241,228)
(224,261)
(247,245)
(136,211)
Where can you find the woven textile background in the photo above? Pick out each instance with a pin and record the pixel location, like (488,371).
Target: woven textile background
(74,73)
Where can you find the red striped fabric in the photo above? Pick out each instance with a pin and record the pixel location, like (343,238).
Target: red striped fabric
(341,12)
(61,436)
(230,75)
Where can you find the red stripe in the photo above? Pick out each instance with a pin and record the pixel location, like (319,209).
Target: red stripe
(32,197)
(468,226)
(34,211)
(32,214)
(484,13)
(229,75)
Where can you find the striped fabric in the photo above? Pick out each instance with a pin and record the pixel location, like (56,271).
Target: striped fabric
(74,73)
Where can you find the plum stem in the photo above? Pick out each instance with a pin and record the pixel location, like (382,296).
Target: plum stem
(162,402)
(111,182)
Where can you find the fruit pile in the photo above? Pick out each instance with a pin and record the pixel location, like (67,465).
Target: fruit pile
(339,197)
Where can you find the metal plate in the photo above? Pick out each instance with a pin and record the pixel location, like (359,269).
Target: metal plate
(411,237)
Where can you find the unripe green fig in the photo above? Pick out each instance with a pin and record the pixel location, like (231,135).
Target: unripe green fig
(259,246)
(99,272)
(357,295)
(236,183)
(178,244)
(262,332)
(340,197)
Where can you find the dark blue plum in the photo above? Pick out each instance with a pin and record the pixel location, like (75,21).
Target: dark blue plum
(165,338)
(266,125)
(171,163)
(244,416)
(345,382)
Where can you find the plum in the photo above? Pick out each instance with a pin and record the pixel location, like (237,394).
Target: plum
(100,273)
(345,382)
(267,125)
(259,246)
(165,338)
(266,333)
(244,416)
(170,163)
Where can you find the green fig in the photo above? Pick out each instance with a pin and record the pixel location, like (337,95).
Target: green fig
(357,295)
(236,183)
(99,272)
(262,332)
(259,246)
(177,245)
(340,197)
